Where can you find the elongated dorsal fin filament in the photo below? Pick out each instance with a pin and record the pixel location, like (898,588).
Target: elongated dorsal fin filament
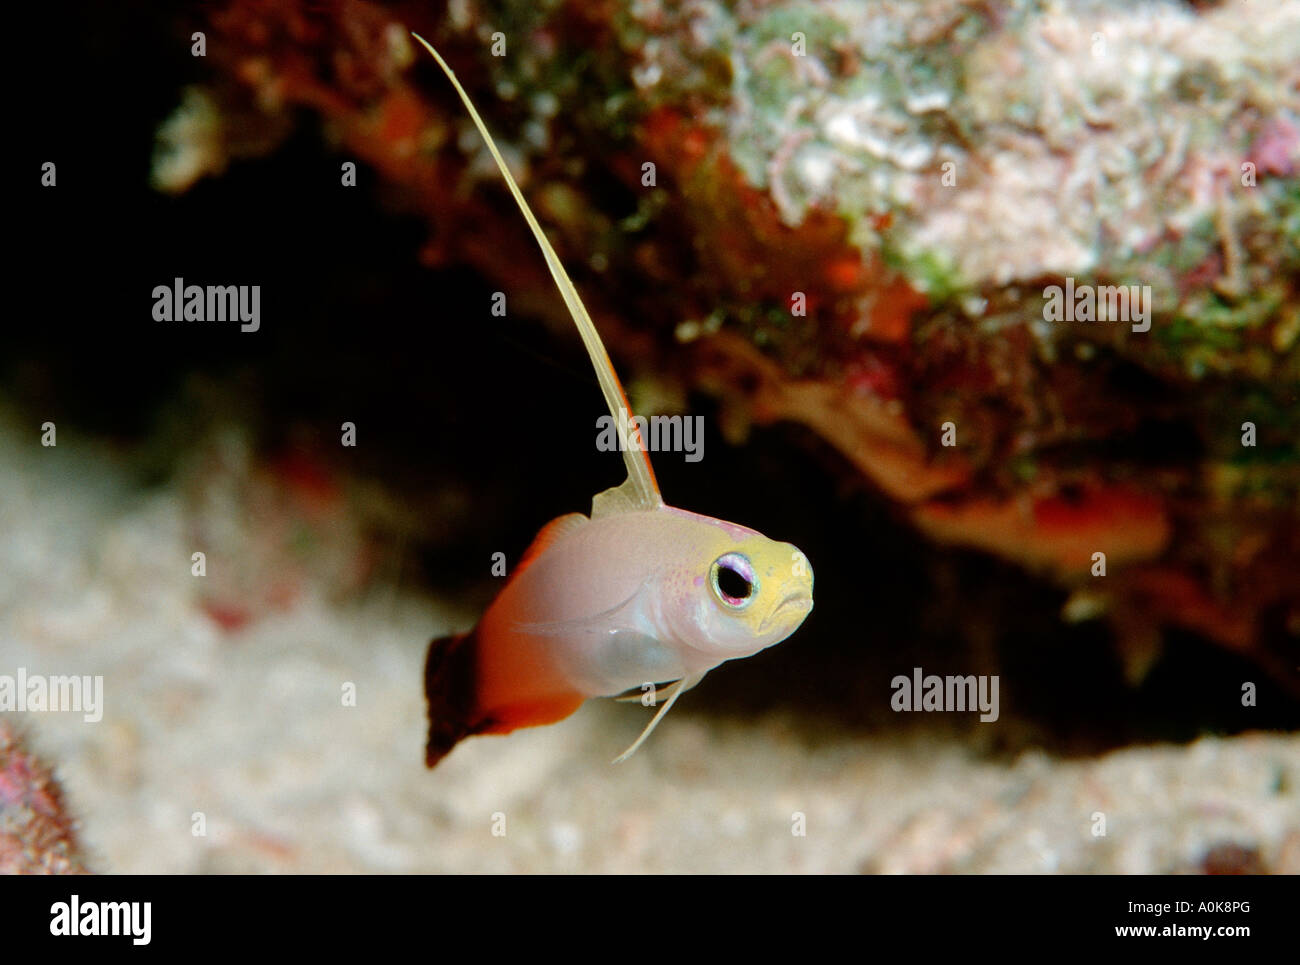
(640,491)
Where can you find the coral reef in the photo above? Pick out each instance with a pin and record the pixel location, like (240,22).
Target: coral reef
(36,834)
(919,175)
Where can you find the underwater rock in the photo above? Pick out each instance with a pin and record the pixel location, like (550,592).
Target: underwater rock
(1033,272)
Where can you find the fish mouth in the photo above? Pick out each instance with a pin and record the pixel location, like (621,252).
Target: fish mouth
(794,603)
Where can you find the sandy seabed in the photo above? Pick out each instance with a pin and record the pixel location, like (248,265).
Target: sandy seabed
(247,736)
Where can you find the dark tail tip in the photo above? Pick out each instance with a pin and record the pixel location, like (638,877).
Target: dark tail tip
(449,686)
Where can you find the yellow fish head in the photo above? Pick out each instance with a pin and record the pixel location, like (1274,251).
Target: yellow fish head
(749,592)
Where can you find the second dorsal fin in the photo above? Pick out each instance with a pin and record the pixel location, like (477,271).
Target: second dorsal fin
(547,535)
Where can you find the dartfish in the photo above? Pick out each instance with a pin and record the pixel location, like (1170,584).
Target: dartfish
(635,595)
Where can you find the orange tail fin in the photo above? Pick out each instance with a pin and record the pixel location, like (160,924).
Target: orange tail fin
(459,676)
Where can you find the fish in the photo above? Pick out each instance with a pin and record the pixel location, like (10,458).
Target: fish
(636,596)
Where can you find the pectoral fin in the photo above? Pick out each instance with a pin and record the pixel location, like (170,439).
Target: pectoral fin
(606,621)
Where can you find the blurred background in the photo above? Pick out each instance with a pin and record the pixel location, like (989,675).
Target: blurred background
(1153,145)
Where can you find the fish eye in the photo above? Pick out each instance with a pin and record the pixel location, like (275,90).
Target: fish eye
(732,577)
